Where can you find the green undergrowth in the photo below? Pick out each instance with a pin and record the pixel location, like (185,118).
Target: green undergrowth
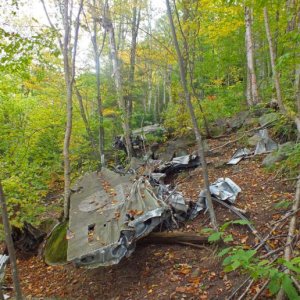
(248,261)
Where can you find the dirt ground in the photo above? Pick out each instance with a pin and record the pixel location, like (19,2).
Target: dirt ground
(174,271)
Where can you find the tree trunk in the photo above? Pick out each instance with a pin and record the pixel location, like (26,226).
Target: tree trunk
(108,26)
(136,15)
(69,74)
(273,59)
(86,122)
(193,118)
(173,238)
(170,83)
(149,90)
(69,71)
(250,57)
(188,65)
(10,246)
(68,129)
(99,100)
(164,88)
(248,88)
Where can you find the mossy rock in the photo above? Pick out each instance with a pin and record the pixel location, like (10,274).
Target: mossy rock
(269,118)
(47,225)
(55,252)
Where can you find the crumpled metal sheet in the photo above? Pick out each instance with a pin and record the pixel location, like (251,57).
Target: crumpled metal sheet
(238,156)
(3,261)
(222,189)
(266,144)
(108,214)
(178,163)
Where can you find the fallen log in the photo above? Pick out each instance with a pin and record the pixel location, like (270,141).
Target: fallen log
(174,238)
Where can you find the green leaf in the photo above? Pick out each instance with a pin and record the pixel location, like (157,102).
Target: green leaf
(228,238)
(263,262)
(207,230)
(215,237)
(291,266)
(282,204)
(224,251)
(289,288)
(274,286)
(225,226)
(241,222)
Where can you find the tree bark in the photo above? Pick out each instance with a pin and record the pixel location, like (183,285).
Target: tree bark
(85,121)
(273,60)
(173,238)
(98,85)
(250,57)
(149,90)
(10,246)
(69,71)
(193,118)
(136,16)
(188,65)
(291,233)
(108,26)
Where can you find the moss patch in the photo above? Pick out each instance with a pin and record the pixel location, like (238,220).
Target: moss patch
(56,246)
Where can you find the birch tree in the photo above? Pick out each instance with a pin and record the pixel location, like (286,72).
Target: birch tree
(252,89)
(97,54)
(193,118)
(107,24)
(69,58)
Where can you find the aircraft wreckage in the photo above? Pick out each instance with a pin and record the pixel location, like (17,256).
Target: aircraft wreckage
(110,212)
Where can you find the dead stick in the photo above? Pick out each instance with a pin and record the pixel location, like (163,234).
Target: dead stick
(296,283)
(228,143)
(292,227)
(275,226)
(238,288)
(261,290)
(289,179)
(246,290)
(240,215)
(194,245)
(247,131)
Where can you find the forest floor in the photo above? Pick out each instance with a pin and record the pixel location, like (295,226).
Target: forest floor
(174,271)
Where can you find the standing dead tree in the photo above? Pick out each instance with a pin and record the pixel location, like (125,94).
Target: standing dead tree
(10,246)
(193,118)
(69,58)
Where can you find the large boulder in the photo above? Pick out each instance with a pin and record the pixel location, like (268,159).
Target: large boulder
(238,121)
(253,140)
(174,148)
(268,118)
(277,156)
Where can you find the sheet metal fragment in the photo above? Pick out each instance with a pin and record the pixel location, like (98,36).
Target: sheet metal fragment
(238,156)
(266,144)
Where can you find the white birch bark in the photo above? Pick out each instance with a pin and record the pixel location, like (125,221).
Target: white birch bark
(250,56)
(108,26)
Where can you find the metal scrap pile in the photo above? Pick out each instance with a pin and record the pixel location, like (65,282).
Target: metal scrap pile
(110,212)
